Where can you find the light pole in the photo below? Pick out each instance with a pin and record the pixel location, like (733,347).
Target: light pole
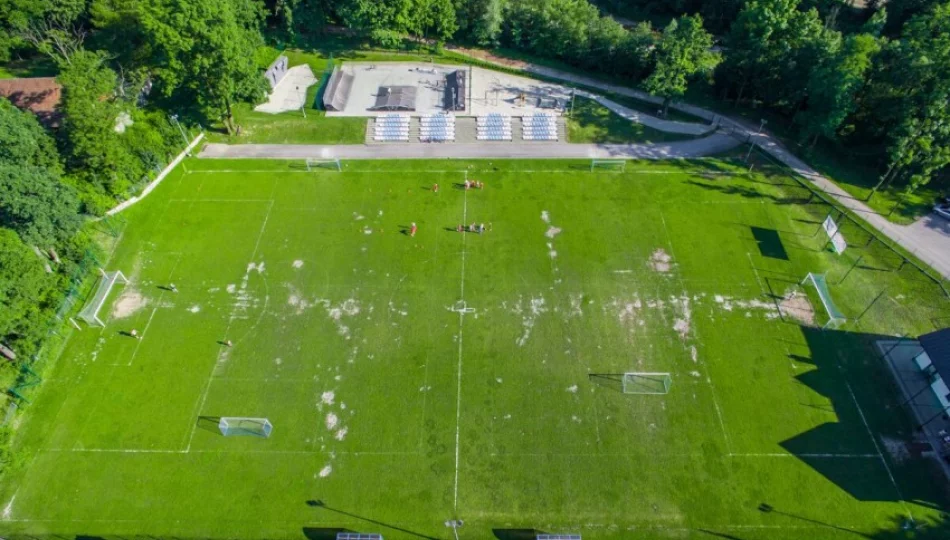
(180,129)
(762,125)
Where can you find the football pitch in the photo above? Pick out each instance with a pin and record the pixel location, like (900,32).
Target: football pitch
(413,380)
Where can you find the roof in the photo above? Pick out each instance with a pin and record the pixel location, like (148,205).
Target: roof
(338,90)
(455,91)
(40,95)
(937,346)
(395,98)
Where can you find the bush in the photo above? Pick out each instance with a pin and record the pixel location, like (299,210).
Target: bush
(388,39)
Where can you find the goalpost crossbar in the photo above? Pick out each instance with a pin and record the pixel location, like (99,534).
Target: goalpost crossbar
(835,317)
(243,425)
(324,163)
(90,312)
(618,165)
(646,382)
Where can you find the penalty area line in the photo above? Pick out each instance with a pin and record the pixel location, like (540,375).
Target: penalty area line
(458,390)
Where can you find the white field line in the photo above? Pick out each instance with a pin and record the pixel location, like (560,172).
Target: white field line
(756,272)
(880,454)
(204,395)
(712,387)
(458,401)
(585,526)
(138,342)
(212,451)
(220,200)
(456,171)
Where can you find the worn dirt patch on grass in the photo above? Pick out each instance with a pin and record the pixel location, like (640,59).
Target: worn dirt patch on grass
(128,304)
(795,305)
(661,261)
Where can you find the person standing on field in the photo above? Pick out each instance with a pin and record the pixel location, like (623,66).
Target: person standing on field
(413,229)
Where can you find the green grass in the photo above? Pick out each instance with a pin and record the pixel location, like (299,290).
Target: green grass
(291,127)
(591,122)
(310,277)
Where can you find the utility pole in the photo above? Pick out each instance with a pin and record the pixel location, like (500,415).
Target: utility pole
(182,131)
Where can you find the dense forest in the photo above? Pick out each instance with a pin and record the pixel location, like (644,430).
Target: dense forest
(875,75)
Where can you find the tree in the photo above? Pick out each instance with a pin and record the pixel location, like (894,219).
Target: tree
(918,89)
(766,46)
(23,141)
(24,289)
(92,146)
(37,205)
(683,51)
(204,53)
(833,85)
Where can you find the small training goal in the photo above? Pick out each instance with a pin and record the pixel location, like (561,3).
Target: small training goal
(314,164)
(107,280)
(646,383)
(242,425)
(835,317)
(611,165)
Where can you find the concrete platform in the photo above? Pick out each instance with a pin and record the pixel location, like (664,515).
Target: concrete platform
(290,94)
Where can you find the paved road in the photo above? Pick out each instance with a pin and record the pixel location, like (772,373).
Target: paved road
(705,146)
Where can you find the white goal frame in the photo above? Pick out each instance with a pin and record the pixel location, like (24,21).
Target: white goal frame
(653,383)
(324,163)
(835,317)
(613,165)
(244,425)
(90,312)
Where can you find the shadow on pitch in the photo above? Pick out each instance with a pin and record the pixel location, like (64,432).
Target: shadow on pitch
(209,423)
(315,503)
(516,534)
(719,534)
(323,533)
(612,381)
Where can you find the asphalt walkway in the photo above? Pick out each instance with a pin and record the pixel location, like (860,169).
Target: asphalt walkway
(718,142)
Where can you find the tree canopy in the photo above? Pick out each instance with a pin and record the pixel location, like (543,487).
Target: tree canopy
(684,51)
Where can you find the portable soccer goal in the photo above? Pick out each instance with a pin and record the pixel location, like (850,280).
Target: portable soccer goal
(107,280)
(314,164)
(612,165)
(835,317)
(647,383)
(241,425)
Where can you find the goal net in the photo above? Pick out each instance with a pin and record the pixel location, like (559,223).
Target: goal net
(612,165)
(646,383)
(314,164)
(90,311)
(835,317)
(242,425)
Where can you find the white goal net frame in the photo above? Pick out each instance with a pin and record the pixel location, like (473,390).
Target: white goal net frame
(612,165)
(243,425)
(646,383)
(333,164)
(90,311)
